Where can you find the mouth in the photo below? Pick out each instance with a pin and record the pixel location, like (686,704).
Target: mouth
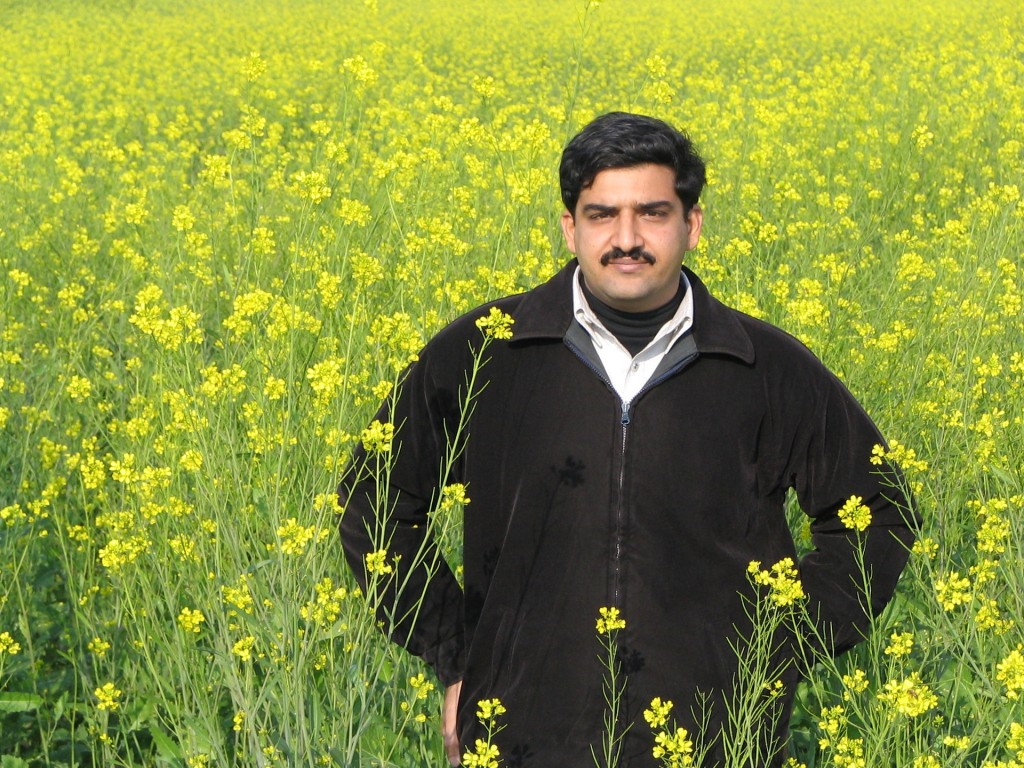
(618,256)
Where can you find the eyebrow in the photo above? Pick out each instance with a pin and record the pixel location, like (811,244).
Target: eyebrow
(642,207)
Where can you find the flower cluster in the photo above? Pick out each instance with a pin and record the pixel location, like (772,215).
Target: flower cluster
(377,562)
(485,753)
(108,697)
(609,620)
(191,620)
(1010,672)
(215,267)
(496,324)
(377,437)
(910,696)
(672,746)
(782,580)
(855,514)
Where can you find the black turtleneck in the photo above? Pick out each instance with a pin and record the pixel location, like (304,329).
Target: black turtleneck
(634,330)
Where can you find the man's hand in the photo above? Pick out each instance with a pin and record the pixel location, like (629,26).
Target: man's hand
(449,728)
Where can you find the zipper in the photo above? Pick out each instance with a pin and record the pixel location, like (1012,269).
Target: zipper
(625,419)
(620,507)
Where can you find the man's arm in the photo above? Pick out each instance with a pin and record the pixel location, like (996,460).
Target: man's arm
(386,495)
(850,575)
(449,724)
(415,594)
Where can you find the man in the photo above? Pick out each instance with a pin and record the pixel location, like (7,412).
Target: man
(632,447)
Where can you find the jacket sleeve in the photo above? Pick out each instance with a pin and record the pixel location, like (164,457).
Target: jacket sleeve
(386,498)
(848,576)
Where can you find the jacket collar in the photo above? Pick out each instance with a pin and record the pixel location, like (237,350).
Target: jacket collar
(546,313)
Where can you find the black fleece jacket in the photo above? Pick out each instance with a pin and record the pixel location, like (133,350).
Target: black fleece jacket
(580,501)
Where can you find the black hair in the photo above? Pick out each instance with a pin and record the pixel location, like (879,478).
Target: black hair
(624,140)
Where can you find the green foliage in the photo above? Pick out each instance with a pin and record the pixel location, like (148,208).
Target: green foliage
(225,227)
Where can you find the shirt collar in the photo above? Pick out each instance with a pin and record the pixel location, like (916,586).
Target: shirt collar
(678,324)
(546,312)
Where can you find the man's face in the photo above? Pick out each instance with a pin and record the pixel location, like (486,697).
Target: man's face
(629,234)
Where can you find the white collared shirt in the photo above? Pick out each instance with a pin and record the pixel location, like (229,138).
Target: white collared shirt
(629,374)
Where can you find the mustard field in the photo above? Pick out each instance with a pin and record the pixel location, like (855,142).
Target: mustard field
(226,228)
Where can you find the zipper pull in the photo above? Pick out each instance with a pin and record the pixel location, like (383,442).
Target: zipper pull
(625,414)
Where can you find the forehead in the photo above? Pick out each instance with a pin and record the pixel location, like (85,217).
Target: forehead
(635,184)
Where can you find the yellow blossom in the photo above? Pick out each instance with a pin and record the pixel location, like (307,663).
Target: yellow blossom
(910,696)
(99,647)
(609,620)
(377,437)
(108,697)
(782,579)
(423,687)
(657,714)
(377,562)
(191,620)
(496,324)
(900,644)
(484,755)
(855,515)
(295,537)
(953,591)
(244,647)
(1010,672)
(8,644)
(489,709)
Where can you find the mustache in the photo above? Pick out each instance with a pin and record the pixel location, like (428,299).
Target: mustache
(637,254)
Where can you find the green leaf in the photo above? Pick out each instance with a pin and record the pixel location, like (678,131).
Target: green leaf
(165,746)
(19,702)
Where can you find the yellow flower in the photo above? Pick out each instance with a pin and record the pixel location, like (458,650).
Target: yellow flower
(1010,672)
(485,755)
(96,645)
(855,682)
(295,537)
(833,722)
(377,562)
(243,648)
(855,514)
(783,581)
(1016,741)
(191,620)
(961,742)
(239,596)
(910,696)
(674,748)
(953,591)
(657,715)
(79,389)
(191,460)
(108,697)
(8,644)
(422,686)
(900,644)
(378,437)
(610,621)
(496,324)
(326,608)
(488,709)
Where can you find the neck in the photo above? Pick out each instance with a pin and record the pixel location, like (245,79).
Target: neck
(634,330)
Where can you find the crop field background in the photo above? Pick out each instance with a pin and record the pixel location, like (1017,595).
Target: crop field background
(226,227)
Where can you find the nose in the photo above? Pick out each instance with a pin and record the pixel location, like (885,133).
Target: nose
(627,233)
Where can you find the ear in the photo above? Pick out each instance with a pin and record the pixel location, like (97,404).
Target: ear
(695,220)
(569,231)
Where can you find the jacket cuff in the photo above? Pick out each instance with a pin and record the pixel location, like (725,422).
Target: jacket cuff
(448,660)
